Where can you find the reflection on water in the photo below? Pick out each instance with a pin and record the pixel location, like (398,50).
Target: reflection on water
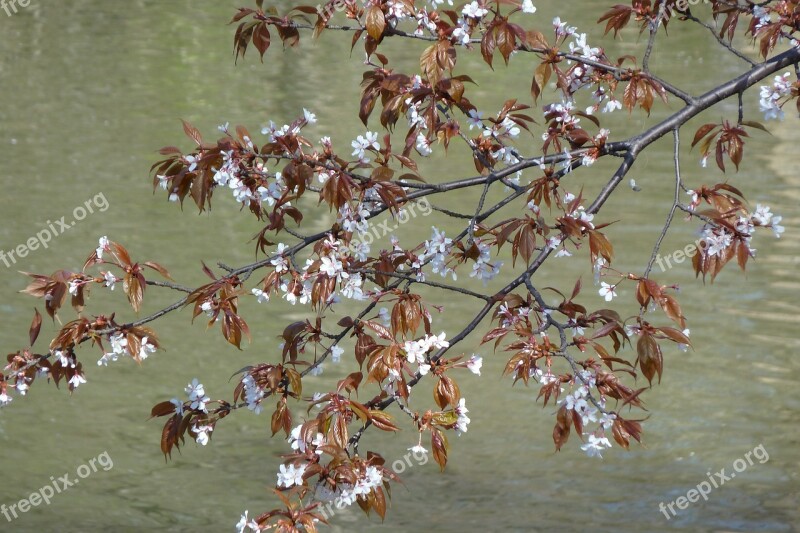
(90,90)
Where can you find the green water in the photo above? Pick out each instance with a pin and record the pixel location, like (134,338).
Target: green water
(89,90)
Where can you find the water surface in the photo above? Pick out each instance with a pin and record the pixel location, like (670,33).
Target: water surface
(91,89)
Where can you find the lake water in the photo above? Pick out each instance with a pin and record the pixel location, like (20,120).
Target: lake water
(90,90)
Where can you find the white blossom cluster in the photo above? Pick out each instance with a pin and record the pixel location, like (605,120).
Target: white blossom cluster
(417,350)
(771,95)
(300,445)
(119,348)
(483,269)
(253,394)
(437,248)
(347,494)
(578,400)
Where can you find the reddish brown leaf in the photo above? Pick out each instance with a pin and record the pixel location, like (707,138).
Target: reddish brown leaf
(36,326)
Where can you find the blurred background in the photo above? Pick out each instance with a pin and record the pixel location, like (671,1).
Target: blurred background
(90,90)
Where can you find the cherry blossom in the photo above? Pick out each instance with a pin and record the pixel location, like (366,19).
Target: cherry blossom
(528,7)
(244,523)
(336,353)
(363,143)
(202,433)
(289,476)
(309,117)
(595,446)
(463,420)
(418,449)
(607,291)
(474,364)
(474,10)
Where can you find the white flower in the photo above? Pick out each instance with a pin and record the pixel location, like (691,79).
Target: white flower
(76,381)
(383,314)
(574,401)
(474,364)
(191,160)
(475,119)
(243,523)
(509,127)
(561,28)
(585,217)
(5,399)
(163,181)
(611,105)
(336,353)
(146,349)
(103,245)
(607,420)
(241,192)
(485,271)
(295,441)
(310,117)
(280,263)
(762,15)
(119,343)
(684,347)
(607,291)
(776,228)
(474,10)
(362,143)
(415,351)
(222,177)
(595,446)
(260,295)
(202,433)
(462,37)
(331,266)
(528,7)
(761,215)
(63,358)
(463,420)
(352,289)
(73,287)
(372,478)
(418,449)
(771,95)
(197,395)
(178,406)
(111,279)
(291,476)
(195,389)
(588,414)
(717,241)
(423,145)
(437,341)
